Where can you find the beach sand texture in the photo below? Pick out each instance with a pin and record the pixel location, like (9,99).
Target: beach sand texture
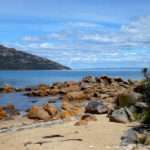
(99,135)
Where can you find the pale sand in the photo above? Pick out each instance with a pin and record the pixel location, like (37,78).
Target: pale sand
(100,135)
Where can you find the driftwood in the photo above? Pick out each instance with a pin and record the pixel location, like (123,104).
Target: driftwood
(80,140)
(53,136)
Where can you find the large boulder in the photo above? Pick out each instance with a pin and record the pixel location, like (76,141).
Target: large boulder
(122,115)
(37,112)
(68,110)
(128,98)
(76,95)
(96,107)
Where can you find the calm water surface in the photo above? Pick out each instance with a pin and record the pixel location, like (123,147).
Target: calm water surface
(29,78)
(32,78)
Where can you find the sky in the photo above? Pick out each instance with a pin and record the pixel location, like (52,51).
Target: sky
(79,33)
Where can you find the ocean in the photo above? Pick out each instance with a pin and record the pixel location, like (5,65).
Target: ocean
(32,78)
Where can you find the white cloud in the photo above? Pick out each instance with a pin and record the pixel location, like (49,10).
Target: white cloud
(136,33)
(31,38)
(83,24)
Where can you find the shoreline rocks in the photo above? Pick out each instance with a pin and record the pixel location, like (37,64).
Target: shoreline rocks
(122,115)
(96,107)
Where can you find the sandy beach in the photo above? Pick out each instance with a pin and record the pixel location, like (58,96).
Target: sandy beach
(99,135)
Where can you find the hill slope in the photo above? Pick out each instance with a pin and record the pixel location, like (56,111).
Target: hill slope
(11,59)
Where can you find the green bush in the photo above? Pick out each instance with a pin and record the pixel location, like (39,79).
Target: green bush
(146,94)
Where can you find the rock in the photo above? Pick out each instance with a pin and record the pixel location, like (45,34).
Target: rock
(65,114)
(141,105)
(88,117)
(11,110)
(122,115)
(130,137)
(37,112)
(51,109)
(72,110)
(54,91)
(18,90)
(95,107)
(129,147)
(2,113)
(89,79)
(139,88)
(85,85)
(70,88)
(81,122)
(147,140)
(128,98)
(39,93)
(106,80)
(28,89)
(76,95)
(8,89)
(118,80)
(85,119)
(130,114)
(66,105)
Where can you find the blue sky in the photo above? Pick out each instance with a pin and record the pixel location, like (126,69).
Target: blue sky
(79,33)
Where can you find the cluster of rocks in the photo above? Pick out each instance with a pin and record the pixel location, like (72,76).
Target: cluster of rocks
(105,95)
(137,138)
(128,105)
(50,112)
(89,87)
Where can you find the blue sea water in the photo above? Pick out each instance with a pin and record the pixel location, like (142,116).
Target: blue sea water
(29,78)
(32,78)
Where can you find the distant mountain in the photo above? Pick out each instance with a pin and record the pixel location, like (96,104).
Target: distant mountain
(12,59)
